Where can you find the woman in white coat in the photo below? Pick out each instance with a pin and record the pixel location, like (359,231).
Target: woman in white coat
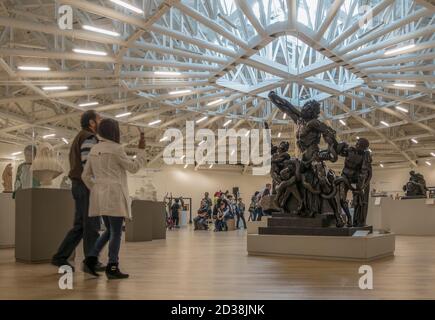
(105,175)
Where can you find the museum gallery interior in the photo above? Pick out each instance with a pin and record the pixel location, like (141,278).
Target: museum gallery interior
(217,149)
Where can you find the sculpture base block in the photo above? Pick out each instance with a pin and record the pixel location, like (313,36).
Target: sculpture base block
(43,217)
(314,231)
(412,197)
(252,226)
(287,220)
(7,221)
(368,248)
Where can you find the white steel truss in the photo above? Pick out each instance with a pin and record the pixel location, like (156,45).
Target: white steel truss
(369,62)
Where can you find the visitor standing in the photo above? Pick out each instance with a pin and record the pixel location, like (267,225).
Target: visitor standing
(175,212)
(84,227)
(240,210)
(105,174)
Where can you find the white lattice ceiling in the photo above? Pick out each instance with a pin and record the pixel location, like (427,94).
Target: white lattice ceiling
(224,57)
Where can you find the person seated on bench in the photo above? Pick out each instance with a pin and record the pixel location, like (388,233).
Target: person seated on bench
(220,223)
(200,221)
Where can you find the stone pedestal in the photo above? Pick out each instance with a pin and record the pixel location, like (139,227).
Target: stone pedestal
(7,221)
(158,212)
(413,217)
(320,225)
(148,223)
(367,248)
(140,227)
(252,226)
(43,217)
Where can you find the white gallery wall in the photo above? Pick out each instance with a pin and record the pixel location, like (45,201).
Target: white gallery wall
(392,180)
(192,184)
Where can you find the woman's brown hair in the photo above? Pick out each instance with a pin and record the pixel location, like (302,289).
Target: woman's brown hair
(109,129)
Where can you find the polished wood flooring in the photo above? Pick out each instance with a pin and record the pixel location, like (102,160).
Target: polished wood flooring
(209,265)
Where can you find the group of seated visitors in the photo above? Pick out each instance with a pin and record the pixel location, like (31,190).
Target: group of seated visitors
(225,207)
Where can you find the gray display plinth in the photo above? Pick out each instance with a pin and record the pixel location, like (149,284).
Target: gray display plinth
(367,248)
(414,217)
(148,223)
(158,212)
(43,217)
(7,221)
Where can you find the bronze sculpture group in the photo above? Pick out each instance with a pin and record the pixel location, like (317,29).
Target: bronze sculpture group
(305,186)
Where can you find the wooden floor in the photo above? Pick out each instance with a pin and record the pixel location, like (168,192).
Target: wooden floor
(208,265)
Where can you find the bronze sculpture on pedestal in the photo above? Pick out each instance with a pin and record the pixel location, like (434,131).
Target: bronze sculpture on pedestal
(416,186)
(305,186)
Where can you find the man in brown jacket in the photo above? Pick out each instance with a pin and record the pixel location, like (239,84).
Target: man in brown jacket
(85,227)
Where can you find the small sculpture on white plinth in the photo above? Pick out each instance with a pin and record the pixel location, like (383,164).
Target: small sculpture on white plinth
(45,166)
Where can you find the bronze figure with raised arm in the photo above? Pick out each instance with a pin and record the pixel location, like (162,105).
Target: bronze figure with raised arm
(309,129)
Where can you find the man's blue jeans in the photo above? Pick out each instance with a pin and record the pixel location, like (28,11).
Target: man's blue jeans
(113,235)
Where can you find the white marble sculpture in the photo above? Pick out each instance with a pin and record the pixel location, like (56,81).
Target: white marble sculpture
(146,190)
(45,166)
(7,178)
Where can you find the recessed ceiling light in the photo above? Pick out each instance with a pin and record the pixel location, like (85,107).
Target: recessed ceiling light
(414,140)
(428,163)
(201,120)
(65,141)
(404,85)
(92,52)
(213,103)
(89,104)
(51,135)
(54,88)
(128,6)
(154,122)
(99,30)
(122,115)
(385,123)
(402,109)
(17,153)
(342,122)
(180,92)
(33,68)
(167,73)
(398,50)
(227,123)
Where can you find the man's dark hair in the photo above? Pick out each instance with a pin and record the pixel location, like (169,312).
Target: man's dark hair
(109,130)
(87,117)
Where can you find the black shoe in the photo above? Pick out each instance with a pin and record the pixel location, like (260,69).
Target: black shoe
(113,272)
(60,263)
(100,267)
(89,266)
